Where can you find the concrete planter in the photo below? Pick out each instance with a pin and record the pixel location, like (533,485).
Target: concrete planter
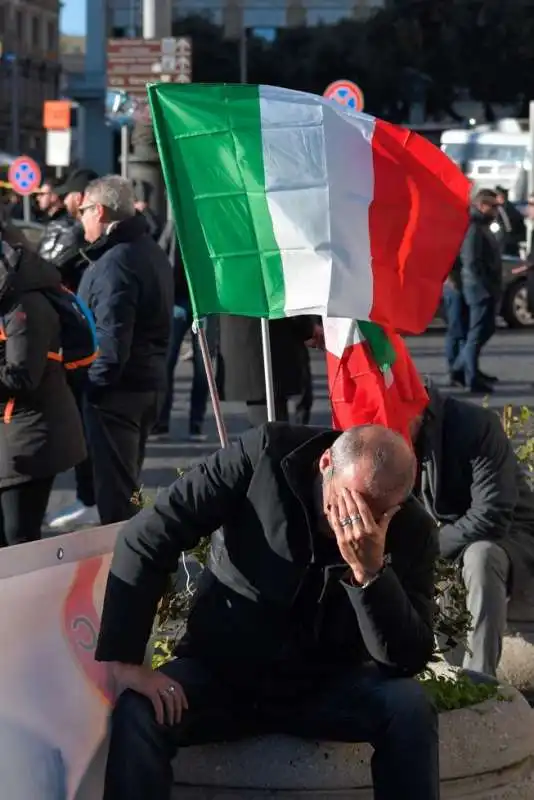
(487,753)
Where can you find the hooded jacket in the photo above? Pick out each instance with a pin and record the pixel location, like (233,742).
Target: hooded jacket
(40,427)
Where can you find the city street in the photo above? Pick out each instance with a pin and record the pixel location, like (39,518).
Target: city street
(510,355)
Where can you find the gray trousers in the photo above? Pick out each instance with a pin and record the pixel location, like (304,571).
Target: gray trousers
(485,573)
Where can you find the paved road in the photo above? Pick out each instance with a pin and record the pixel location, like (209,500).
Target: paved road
(510,355)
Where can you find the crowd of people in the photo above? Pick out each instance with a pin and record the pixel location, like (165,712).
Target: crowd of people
(104,244)
(315,611)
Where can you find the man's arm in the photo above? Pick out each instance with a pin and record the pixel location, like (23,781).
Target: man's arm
(150,545)
(114,306)
(493,492)
(396,618)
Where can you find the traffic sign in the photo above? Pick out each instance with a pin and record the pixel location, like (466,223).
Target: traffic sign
(24,175)
(132,63)
(57,115)
(346,93)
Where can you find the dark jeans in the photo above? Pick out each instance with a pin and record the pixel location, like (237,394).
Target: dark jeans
(85,490)
(182,321)
(393,714)
(118,427)
(457,313)
(482,325)
(305,401)
(22,510)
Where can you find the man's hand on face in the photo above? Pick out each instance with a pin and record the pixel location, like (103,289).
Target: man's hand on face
(166,695)
(360,538)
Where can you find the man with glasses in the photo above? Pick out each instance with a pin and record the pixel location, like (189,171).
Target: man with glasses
(481,279)
(129,288)
(58,234)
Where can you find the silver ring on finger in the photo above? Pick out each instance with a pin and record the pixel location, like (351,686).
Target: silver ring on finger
(345,522)
(355,519)
(168,690)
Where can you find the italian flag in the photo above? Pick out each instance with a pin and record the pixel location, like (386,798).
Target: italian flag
(372,377)
(287,203)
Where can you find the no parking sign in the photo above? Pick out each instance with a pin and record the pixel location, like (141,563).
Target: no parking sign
(346,93)
(24,175)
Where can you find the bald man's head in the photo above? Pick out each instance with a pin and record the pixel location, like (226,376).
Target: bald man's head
(375,462)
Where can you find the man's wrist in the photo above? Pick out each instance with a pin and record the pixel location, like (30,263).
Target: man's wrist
(362,579)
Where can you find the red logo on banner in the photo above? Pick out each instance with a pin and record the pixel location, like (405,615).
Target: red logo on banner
(81,624)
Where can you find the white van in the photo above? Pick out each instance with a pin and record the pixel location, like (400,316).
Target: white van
(492,155)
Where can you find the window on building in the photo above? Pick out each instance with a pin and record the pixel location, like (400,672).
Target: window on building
(51,36)
(36,33)
(19,28)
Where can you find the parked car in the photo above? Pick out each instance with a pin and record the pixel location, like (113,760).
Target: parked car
(514,308)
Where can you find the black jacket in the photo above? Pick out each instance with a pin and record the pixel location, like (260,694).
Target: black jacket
(168,241)
(128,287)
(472,484)
(58,235)
(242,376)
(273,609)
(62,243)
(480,255)
(41,432)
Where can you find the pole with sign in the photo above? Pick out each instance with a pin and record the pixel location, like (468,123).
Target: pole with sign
(346,93)
(25,177)
(125,150)
(57,115)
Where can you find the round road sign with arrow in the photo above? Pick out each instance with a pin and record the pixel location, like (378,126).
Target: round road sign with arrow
(346,93)
(24,175)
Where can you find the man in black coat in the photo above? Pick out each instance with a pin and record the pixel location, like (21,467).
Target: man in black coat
(471,483)
(58,234)
(129,288)
(311,618)
(481,281)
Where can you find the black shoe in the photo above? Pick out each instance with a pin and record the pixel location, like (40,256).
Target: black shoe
(487,378)
(456,379)
(160,431)
(480,387)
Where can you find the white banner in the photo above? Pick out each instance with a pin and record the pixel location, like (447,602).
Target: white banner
(54,697)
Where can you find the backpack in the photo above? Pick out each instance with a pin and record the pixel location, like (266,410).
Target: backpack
(79,346)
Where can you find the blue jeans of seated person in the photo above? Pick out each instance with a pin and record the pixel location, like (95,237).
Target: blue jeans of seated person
(182,321)
(364,704)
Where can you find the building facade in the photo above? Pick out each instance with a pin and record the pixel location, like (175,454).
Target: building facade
(29,71)
(125,16)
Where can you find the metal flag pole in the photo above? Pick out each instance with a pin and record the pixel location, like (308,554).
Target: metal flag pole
(268,369)
(125,150)
(199,329)
(530,176)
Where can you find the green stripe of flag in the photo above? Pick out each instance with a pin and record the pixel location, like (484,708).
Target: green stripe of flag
(216,131)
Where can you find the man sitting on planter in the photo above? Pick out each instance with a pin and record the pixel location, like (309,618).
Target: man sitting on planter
(313,615)
(470,480)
